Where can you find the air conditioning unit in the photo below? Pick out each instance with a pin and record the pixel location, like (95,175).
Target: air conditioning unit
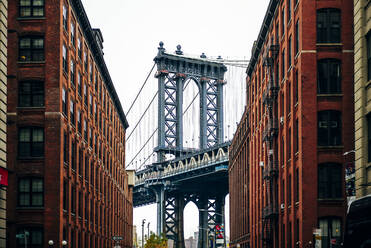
(282,120)
(282,205)
(261,163)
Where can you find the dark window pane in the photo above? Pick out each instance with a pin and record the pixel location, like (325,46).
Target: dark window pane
(328,26)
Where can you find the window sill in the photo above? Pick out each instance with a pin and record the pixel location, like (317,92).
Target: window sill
(31,108)
(329,44)
(30,208)
(331,199)
(31,158)
(31,62)
(330,147)
(330,95)
(31,18)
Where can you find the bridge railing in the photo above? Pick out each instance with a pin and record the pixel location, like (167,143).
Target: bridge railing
(174,168)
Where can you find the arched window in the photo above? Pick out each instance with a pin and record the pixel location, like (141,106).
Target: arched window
(329,128)
(328,26)
(329,76)
(329,181)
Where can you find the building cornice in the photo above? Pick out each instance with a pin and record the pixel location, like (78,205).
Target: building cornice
(98,56)
(258,44)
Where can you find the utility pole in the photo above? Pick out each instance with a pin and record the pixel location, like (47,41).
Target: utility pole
(148,230)
(143,221)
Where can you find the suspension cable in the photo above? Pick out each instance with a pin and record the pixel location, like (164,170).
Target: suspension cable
(142,147)
(142,116)
(140,91)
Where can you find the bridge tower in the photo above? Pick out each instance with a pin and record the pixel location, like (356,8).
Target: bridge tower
(173,70)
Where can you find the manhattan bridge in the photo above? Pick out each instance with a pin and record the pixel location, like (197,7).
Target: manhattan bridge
(182,122)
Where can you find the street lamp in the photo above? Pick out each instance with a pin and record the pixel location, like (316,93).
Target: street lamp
(143,221)
(51,243)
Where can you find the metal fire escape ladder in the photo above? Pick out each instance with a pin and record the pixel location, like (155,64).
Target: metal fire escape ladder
(270,172)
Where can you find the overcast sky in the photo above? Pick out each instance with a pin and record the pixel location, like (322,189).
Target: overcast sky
(132,30)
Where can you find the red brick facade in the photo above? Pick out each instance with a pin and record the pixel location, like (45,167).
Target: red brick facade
(299,118)
(66,132)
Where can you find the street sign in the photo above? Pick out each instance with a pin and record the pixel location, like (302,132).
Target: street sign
(117,238)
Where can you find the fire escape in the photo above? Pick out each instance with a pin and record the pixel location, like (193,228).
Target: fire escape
(270,133)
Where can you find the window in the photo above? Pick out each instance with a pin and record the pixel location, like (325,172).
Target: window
(31,142)
(329,76)
(85,60)
(79,126)
(277,33)
(65,148)
(296,135)
(64,55)
(329,181)
(368,117)
(289,144)
(289,193)
(65,193)
(329,128)
(72,34)
(73,200)
(85,94)
(90,138)
(72,112)
(91,72)
(65,18)
(80,201)
(72,75)
(79,50)
(289,53)
(368,41)
(81,161)
(283,21)
(91,103)
(79,85)
(31,8)
(85,131)
(31,49)
(288,10)
(35,237)
(73,155)
(297,37)
(297,185)
(328,26)
(86,168)
(283,64)
(331,231)
(31,94)
(296,80)
(30,192)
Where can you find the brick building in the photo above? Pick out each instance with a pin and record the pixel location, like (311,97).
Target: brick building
(3,83)
(362,105)
(299,121)
(66,138)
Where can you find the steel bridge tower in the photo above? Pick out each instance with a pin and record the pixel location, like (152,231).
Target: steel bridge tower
(173,70)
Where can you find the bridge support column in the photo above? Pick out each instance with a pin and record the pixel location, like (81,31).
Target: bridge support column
(180,221)
(203,224)
(160,198)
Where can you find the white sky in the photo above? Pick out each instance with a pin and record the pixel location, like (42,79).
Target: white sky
(132,30)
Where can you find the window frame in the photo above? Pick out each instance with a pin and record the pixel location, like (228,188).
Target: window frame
(325,17)
(33,50)
(31,143)
(330,181)
(32,9)
(30,240)
(325,78)
(31,192)
(329,116)
(33,94)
